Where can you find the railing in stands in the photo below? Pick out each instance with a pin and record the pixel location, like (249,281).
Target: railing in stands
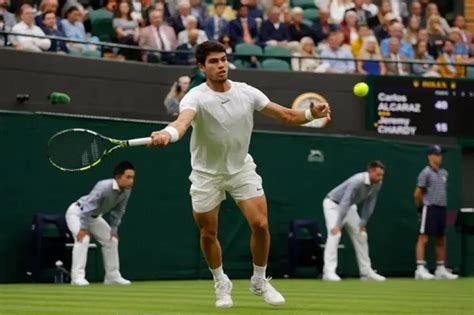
(107,45)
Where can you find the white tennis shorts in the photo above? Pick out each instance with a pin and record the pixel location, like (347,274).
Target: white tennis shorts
(208,190)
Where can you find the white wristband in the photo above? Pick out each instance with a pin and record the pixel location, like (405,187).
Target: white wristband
(308,115)
(173,133)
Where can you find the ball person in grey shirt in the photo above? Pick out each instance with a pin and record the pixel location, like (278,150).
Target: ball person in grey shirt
(340,210)
(431,200)
(84,218)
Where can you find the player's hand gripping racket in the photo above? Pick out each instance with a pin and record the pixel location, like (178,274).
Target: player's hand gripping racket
(81,149)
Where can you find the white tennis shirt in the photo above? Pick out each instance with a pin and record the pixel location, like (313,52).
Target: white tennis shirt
(222,126)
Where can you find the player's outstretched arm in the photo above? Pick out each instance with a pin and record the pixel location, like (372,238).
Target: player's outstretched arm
(294,116)
(175,130)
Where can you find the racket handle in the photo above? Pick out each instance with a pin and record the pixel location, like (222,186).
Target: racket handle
(139,141)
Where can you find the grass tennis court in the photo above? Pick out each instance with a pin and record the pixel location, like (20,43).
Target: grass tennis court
(396,296)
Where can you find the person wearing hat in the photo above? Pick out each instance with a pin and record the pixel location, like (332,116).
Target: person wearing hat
(431,200)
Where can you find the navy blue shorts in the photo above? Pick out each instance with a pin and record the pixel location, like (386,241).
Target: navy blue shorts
(433,220)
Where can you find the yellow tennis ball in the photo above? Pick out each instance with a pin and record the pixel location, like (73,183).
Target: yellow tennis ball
(361,89)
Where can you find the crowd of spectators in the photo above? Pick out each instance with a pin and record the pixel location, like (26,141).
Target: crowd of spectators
(343,36)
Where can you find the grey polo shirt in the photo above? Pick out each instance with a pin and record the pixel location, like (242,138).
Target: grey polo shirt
(105,197)
(355,190)
(435,184)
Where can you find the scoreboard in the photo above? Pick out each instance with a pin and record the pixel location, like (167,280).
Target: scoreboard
(421,106)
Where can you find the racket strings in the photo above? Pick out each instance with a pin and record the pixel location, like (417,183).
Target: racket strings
(74,150)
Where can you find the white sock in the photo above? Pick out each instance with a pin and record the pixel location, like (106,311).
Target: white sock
(440,264)
(258,271)
(420,264)
(218,273)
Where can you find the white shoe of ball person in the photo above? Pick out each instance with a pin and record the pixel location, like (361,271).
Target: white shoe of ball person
(223,291)
(80,282)
(442,273)
(262,286)
(116,281)
(331,276)
(422,273)
(372,275)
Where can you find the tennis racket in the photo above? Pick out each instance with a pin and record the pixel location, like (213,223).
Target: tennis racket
(76,149)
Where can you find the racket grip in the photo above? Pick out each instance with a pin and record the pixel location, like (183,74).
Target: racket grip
(139,141)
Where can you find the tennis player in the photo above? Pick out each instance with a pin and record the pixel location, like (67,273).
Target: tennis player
(84,217)
(221,113)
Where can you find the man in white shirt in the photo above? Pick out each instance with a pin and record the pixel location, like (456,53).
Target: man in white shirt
(221,113)
(27,26)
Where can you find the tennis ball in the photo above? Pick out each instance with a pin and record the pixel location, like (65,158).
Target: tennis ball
(361,89)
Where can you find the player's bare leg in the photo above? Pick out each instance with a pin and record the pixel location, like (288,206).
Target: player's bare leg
(211,248)
(255,211)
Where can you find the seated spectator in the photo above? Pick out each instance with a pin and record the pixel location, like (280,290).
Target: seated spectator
(284,9)
(307,49)
(362,16)
(451,67)
(176,93)
(126,29)
(27,26)
(337,9)
(436,35)
(370,52)
(432,10)
(216,25)
(254,10)
(198,10)
(363,31)
(400,9)
(106,12)
(273,32)
(71,3)
(160,5)
(349,27)
(322,27)
(185,52)
(137,9)
(460,23)
(225,40)
(382,31)
(228,13)
(50,28)
(244,28)
(298,29)
(416,11)
(191,24)
(370,6)
(7,20)
(74,29)
(427,69)
(411,35)
(395,62)
(336,50)
(460,47)
(379,19)
(48,6)
(157,36)
(178,21)
(396,30)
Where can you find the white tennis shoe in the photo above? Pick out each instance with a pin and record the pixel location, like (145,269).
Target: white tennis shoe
(223,291)
(442,273)
(262,286)
(422,273)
